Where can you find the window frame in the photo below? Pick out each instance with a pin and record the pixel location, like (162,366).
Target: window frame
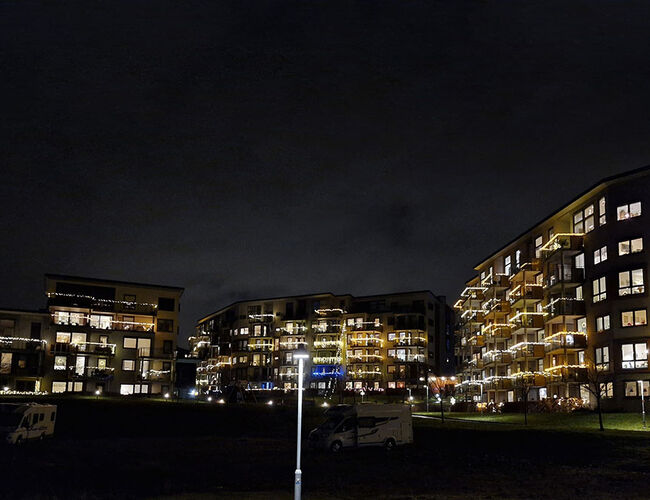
(634,317)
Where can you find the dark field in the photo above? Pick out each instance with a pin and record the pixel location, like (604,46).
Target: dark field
(135,449)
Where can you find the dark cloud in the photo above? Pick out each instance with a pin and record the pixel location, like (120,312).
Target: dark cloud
(263,148)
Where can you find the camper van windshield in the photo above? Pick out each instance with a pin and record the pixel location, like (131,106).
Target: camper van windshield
(9,419)
(331,423)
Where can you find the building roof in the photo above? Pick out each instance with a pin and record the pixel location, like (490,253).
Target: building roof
(322,294)
(599,185)
(64,277)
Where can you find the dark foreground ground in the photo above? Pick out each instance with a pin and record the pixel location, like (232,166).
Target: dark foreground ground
(132,449)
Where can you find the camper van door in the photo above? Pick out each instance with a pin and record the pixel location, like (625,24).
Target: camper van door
(347,432)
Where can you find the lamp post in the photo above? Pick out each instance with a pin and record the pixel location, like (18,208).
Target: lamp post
(426,386)
(642,401)
(301,355)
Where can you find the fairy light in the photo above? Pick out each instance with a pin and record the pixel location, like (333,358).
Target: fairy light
(107,301)
(324,344)
(326,360)
(552,244)
(9,340)
(325,311)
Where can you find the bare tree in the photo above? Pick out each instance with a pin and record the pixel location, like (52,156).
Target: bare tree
(596,375)
(523,384)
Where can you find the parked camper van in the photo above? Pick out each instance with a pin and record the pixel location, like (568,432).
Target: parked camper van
(350,426)
(20,422)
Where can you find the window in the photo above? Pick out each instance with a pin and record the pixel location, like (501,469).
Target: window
(130,343)
(638,317)
(602,358)
(583,220)
(579,295)
(625,212)
(165,325)
(579,261)
(600,255)
(507,265)
(102,321)
(630,246)
(602,323)
(129,302)
(602,209)
(581,325)
(517,259)
(128,365)
(166,304)
(63,337)
(630,282)
(126,389)
(168,346)
(60,362)
(58,387)
(634,355)
(599,289)
(632,388)
(606,389)
(539,243)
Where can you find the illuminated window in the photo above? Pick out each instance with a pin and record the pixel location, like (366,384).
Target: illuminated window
(632,388)
(600,255)
(599,289)
(128,365)
(607,390)
(630,246)
(579,295)
(602,209)
(507,265)
(579,261)
(638,317)
(634,356)
(539,243)
(130,343)
(58,387)
(583,220)
(101,321)
(625,212)
(630,282)
(602,358)
(60,362)
(63,337)
(126,389)
(602,323)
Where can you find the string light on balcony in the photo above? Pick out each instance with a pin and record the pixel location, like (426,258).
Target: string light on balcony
(333,310)
(8,340)
(96,299)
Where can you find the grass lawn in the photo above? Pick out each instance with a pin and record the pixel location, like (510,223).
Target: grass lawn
(134,449)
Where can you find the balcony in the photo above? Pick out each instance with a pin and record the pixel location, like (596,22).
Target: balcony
(525,294)
(567,373)
(571,242)
(565,341)
(291,346)
(497,309)
(564,276)
(326,360)
(365,326)
(409,358)
(99,304)
(525,320)
(96,373)
(409,342)
(498,384)
(365,375)
(155,354)
(330,328)
(18,344)
(364,358)
(562,307)
(328,344)
(527,350)
(498,281)
(155,375)
(497,331)
(94,348)
(493,358)
(364,341)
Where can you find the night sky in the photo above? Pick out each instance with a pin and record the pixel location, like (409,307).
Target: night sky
(248,149)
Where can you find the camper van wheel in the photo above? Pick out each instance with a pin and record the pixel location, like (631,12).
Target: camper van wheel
(390,444)
(336,446)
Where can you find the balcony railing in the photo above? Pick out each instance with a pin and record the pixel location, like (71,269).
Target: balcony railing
(565,275)
(21,344)
(365,342)
(366,326)
(565,307)
(327,344)
(98,348)
(566,340)
(412,341)
(156,375)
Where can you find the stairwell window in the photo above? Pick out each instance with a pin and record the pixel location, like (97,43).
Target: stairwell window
(602,209)
(539,243)
(606,389)
(602,323)
(599,289)
(628,211)
(583,220)
(634,356)
(602,358)
(630,246)
(631,282)
(600,255)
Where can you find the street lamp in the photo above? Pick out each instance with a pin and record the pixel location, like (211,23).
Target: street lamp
(362,393)
(301,354)
(426,385)
(642,401)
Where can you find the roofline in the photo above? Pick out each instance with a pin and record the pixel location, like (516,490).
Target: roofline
(67,277)
(321,294)
(599,184)
(39,312)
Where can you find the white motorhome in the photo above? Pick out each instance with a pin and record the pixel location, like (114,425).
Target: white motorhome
(349,426)
(20,422)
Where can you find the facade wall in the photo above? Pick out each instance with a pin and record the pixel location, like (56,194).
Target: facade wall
(377,343)
(545,314)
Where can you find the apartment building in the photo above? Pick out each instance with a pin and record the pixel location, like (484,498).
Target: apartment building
(94,335)
(375,343)
(563,303)
(23,350)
